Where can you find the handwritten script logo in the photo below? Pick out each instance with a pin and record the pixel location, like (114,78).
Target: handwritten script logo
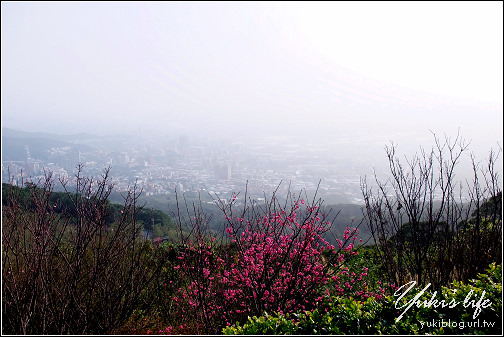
(477,305)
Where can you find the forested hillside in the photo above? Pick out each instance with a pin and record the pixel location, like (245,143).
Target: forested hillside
(64,204)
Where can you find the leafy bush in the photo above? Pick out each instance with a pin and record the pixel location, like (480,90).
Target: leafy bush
(342,316)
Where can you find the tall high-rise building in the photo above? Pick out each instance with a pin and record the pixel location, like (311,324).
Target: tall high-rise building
(223,171)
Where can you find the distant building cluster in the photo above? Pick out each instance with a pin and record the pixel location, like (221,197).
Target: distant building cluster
(216,167)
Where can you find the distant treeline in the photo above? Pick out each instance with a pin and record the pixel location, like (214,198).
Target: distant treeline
(64,203)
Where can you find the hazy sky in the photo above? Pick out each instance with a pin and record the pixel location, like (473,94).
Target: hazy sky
(378,70)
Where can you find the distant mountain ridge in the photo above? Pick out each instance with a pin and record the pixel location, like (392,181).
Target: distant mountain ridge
(109,142)
(16,144)
(8,132)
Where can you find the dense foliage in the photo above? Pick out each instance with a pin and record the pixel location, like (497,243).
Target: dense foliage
(73,263)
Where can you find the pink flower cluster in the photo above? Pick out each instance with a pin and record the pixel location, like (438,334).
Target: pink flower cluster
(278,262)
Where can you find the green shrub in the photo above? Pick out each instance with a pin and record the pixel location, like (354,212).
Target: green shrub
(344,316)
